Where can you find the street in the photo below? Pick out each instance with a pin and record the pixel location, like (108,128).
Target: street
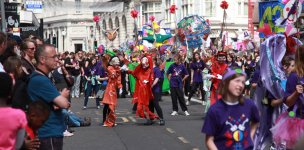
(179,133)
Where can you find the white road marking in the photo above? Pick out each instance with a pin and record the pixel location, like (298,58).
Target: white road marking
(170,130)
(183,139)
(132,119)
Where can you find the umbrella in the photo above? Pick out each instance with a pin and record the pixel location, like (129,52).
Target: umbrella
(191,30)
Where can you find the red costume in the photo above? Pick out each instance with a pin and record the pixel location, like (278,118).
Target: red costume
(143,91)
(217,68)
(110,94)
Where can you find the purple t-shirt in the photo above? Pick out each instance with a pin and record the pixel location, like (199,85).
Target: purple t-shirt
(230,124)
(197,68)
(292,81)
(157,74)
(177,72)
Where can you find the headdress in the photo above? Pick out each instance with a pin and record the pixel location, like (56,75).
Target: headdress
(230,72)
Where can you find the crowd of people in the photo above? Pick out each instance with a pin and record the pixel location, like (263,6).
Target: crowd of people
(38,83)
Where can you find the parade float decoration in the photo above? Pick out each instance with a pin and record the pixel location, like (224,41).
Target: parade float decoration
(191,32)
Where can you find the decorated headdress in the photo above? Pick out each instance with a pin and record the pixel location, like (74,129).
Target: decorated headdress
(230,72)
(114,61)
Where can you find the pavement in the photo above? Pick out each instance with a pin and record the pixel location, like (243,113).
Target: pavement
(179,133)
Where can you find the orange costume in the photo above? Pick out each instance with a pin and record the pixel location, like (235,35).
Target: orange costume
(110,94)
(143,91)
(216,68)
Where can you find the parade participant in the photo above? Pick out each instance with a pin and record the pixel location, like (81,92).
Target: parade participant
(177,73)
(144,76)
(232,121)
(13,120)
(110,95)
(248,67)
(91,84)
(217,70)
(156,88)
(197,66)
(289,127)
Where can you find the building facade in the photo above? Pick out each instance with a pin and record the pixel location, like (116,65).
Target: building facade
(69,25)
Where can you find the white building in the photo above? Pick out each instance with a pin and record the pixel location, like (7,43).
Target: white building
(69,24)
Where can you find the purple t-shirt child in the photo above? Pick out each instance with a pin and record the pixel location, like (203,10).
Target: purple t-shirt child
(157,74)
(197,68)
(177,72)
(230,124)
(292,81)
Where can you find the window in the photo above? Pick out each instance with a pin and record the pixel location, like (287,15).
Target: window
(239,8)
(210,8)
(246,8)
(158,6)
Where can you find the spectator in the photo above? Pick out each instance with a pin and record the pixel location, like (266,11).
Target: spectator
(13,120)
(28,49)
(3,40)
(40,87)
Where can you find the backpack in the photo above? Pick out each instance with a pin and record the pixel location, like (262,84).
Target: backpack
(20,98)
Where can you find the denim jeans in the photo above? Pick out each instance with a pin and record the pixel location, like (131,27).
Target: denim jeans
(54,143)
(88,92)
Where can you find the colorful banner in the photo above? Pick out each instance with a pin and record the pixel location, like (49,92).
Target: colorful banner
(132,80)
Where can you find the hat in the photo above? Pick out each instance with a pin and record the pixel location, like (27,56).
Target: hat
(230,72)
(114,61)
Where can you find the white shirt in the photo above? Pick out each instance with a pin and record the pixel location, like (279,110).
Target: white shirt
(1,68)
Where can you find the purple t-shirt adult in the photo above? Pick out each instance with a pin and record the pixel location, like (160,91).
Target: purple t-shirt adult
(230,124)
(197,68)
(157,74)
(292,81)
(177,72)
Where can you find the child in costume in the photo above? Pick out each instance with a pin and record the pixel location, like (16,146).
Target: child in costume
(217,70)
(157,91)
(13,121)
(197,67)
(232,121)
(289,127)
(177,73)
(110,94)
(144,76)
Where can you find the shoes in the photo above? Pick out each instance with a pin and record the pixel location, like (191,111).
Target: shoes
(70,130)
(161,122)
(148,122)
(174,113)
(66,133)
(85,123)
(204,103)
(98,107)
(104,125)
(84,107)
(187,103)
(186,113)
(73,96)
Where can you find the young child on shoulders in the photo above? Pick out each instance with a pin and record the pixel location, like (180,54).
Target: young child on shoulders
(232,121)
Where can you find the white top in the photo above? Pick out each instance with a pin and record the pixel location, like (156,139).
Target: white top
(1,68)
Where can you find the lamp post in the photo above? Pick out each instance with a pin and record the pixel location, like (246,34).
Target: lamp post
(63,32)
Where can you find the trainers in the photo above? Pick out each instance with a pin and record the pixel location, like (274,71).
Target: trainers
(84,107)
(66,133)
(204,103)
(148,122)
(98,107)
(161,122)
(187,103)
(174,113)
(186,113)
